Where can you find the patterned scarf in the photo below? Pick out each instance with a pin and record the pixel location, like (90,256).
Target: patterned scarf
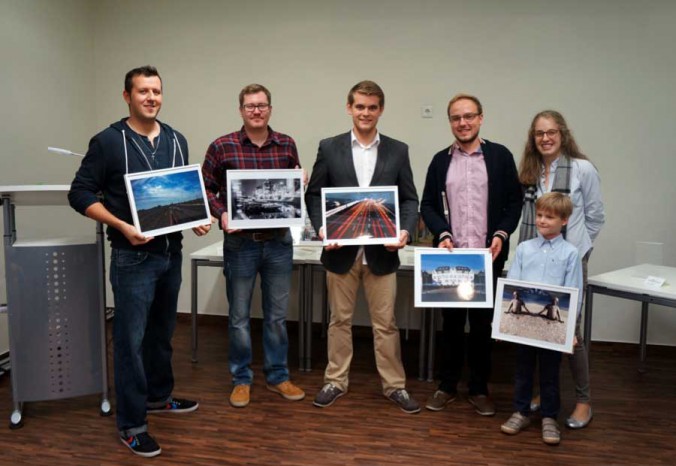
(561,184)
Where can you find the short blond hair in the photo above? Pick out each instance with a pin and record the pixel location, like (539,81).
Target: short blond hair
(556,203)
(457,97)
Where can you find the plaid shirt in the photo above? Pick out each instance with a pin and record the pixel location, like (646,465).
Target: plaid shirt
(235,151)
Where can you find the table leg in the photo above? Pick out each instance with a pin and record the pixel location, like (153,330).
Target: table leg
(422,344)
(432,344)
(309,281)
(644,334)
(193,309)
(589,303)
(301,318)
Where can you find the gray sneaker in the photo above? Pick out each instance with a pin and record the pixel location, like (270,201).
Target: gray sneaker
(404,401)
(515,424)
(327,396)
(439,400)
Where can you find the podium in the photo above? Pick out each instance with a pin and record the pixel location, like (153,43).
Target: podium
(56,308)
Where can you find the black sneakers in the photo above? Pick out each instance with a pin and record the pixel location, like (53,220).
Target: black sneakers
(142,444)
(327,395)
(404,401)
(176,405)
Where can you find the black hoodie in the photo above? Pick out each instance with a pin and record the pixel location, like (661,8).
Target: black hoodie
(103,169)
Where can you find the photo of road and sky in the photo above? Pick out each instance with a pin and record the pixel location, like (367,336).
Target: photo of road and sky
(367,215)
(167,200)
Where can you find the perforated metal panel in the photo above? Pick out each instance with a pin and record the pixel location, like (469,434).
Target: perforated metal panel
(54,321)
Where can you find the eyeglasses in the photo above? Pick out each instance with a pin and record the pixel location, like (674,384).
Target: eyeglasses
(550,133)
(468,117)
(251,107)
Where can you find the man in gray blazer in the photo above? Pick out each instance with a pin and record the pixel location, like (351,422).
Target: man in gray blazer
(364,157)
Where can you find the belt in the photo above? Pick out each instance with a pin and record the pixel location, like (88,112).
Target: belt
(260,236)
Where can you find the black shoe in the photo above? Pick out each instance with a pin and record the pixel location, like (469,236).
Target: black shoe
(142,444)
(327,396)
(176,405)
(404,401)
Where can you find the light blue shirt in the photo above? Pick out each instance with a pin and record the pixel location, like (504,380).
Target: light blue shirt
(588,214)
(551,262)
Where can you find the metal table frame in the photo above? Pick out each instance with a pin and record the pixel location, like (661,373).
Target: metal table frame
(643,295)
(306,270)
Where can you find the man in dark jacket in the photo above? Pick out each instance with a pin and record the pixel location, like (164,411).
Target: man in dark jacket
(145,272)
(364,157)
(472,199)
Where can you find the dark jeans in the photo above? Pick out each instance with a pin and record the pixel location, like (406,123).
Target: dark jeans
(244,259)
(479,348)
(145,286)
(548,361)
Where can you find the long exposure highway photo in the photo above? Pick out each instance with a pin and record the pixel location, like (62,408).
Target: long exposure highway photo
(361,216)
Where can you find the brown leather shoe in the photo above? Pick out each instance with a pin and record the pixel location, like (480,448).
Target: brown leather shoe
(288,390)
(439,399)
(482,404)
(239,397)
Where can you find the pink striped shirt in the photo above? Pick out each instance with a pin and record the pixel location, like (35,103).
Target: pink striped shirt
(467,192)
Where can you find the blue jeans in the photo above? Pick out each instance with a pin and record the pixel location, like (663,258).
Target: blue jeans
(549,362)
(243,260)
(146,288)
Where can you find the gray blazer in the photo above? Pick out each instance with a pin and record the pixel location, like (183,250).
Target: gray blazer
(334,168)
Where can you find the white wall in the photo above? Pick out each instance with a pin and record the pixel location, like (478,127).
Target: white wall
(606,65)
(46,99)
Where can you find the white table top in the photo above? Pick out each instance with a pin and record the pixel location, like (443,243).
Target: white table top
(632,279)
(301,253)
(37,195)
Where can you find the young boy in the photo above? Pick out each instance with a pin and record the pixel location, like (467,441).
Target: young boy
(552,260)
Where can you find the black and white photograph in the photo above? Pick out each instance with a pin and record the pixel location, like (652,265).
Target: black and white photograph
(165,201)
(265,199)
(535,314)
(360,216)
(458,278)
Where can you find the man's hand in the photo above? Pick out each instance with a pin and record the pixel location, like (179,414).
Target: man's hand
(133,235)
(446,244)
(306,179)
(403,239)
(496,246)
(203,229)
(224,223)
(330,246)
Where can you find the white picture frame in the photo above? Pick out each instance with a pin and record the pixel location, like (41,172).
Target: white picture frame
(545,317)
(360,216)
(168,200)
(462,278)
(265,199)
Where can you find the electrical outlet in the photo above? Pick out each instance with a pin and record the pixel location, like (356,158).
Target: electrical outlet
(426,111)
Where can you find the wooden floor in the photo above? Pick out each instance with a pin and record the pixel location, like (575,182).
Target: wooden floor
(634,422)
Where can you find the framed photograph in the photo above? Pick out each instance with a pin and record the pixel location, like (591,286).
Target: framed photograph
(461,278)
(535,314)
(169,200)
(265,199)
(360,216)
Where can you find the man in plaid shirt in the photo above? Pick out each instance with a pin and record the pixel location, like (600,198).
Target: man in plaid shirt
(246,253)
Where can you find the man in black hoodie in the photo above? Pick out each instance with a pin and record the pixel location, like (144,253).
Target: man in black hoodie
(145,272)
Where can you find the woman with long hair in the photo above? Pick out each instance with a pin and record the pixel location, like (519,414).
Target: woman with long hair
(552,162)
